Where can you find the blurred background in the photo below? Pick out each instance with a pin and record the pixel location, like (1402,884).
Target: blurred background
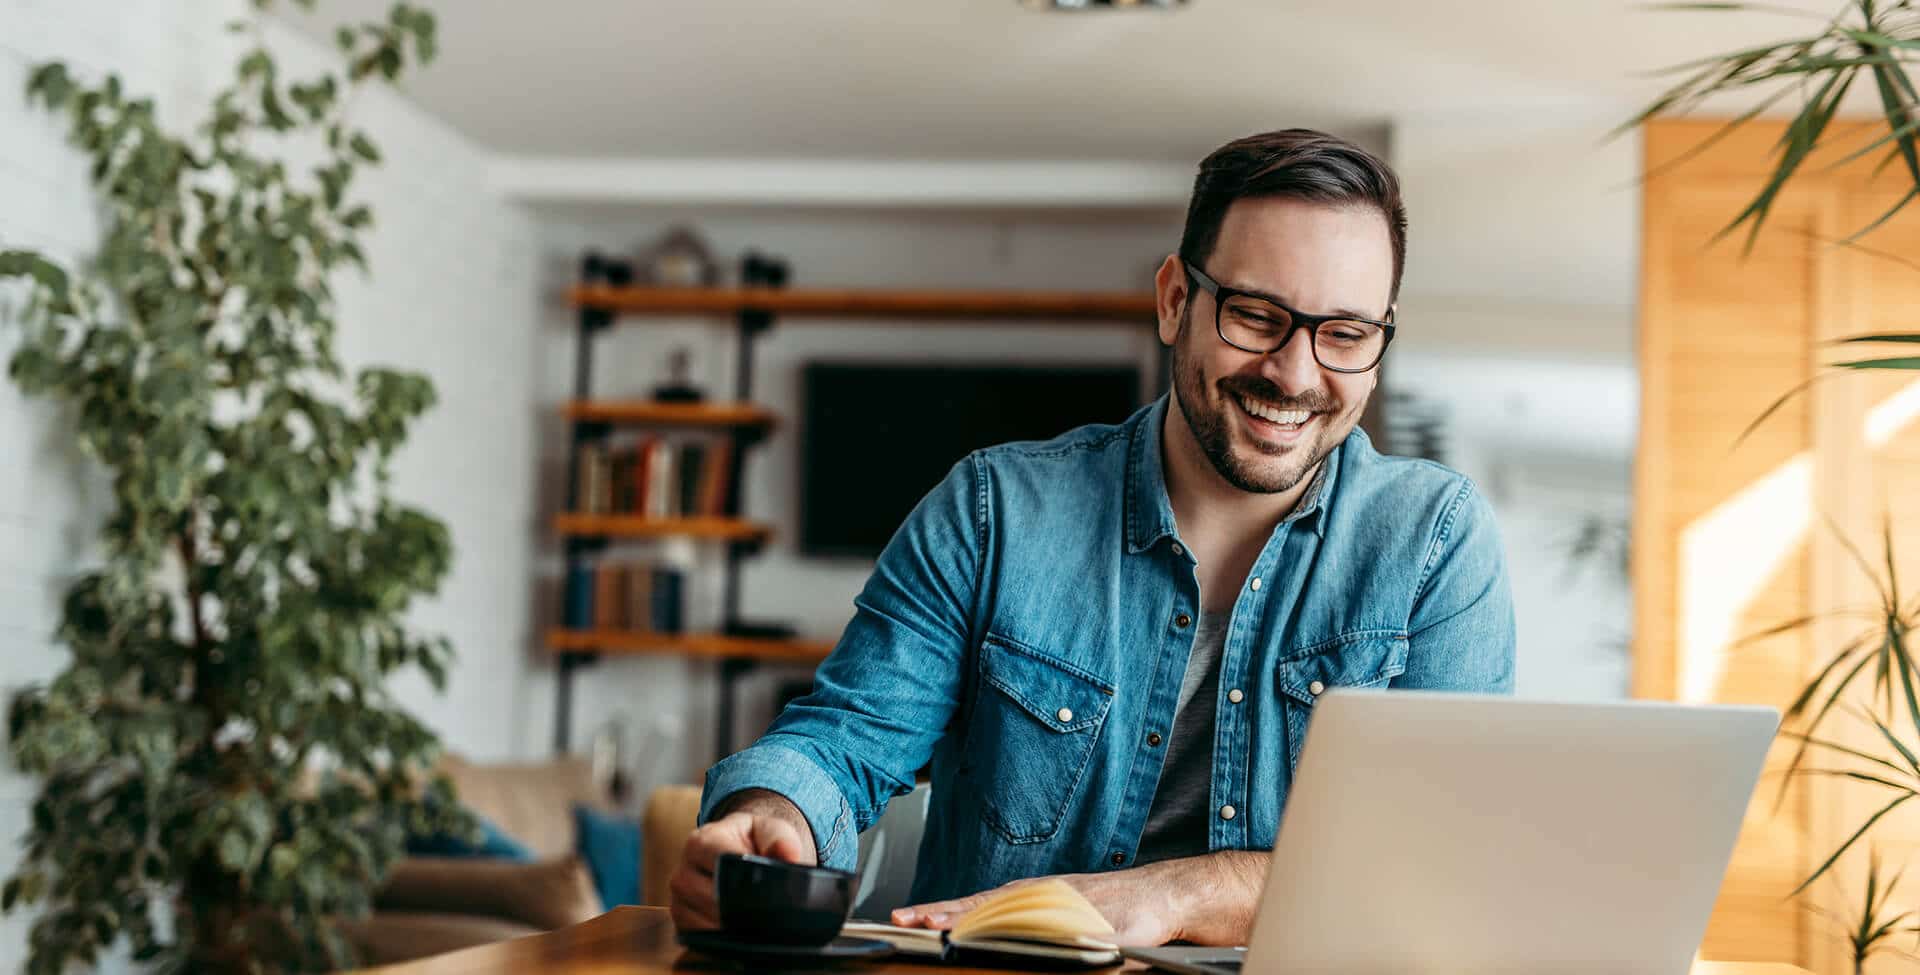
(664,491)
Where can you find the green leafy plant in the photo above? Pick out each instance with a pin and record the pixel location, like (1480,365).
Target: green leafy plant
(223,772)
(1877,40)
(1874,931)
(1873,43)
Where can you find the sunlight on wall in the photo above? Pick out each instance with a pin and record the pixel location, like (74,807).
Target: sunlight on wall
(1728,554)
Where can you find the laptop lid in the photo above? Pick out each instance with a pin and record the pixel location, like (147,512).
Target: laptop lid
(1454,833)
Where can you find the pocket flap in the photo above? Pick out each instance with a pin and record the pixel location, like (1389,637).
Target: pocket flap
(1056,693)
(1354,660)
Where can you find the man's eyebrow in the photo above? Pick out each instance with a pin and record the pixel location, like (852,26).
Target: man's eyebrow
(1276,299)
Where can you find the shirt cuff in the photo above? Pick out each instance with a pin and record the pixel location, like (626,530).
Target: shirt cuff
(790,774)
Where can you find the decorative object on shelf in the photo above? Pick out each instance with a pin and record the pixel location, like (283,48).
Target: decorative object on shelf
(679,387)
(759,270)
(680,259)
(598,268)
(209,800)
(608,756)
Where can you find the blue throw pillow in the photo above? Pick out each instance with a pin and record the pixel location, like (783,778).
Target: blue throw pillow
(611,847)
(494,842)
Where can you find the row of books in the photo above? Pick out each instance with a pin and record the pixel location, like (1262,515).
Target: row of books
(654,477)
(631,596)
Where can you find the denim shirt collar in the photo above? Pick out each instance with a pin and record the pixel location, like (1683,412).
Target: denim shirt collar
(1150,512)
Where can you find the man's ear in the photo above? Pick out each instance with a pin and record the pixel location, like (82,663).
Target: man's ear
(1170,297)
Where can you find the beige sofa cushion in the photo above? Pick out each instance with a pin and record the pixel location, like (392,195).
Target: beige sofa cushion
(545,895)
(397,936)
(672,812)
(533,803)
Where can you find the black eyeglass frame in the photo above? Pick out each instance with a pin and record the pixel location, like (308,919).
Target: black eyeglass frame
(1221,294)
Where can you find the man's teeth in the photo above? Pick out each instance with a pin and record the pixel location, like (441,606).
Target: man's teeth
(1292,418)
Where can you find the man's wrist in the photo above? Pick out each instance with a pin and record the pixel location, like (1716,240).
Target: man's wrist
(764,802)
(1212,898)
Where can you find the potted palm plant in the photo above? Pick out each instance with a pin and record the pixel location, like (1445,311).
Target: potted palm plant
(1866,48)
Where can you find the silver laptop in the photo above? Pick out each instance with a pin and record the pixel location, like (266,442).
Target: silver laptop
(1444,833)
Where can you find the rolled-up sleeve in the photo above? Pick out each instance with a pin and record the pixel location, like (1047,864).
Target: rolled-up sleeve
(1461,635)
(886,694)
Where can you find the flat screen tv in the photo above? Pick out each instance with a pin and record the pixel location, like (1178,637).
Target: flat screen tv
(878,437)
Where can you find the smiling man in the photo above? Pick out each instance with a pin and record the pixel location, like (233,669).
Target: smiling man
(1107,647)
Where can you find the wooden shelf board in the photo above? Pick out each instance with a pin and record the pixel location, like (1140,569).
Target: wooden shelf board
(1050,306)
(670,414)
(635,526)
(688,644)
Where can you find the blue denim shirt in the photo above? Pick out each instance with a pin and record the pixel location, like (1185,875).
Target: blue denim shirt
(1028,627)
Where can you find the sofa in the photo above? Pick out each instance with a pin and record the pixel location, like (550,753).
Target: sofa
(431,905)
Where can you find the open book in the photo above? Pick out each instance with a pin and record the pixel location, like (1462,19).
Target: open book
(1044,922)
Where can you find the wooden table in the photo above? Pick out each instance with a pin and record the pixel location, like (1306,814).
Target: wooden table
(639,941)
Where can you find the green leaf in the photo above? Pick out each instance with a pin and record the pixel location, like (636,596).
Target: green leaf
(1909,337)
(364,147)
(1895,362)
(1824,867)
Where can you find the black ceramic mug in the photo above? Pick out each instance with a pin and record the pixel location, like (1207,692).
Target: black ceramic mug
(772,902)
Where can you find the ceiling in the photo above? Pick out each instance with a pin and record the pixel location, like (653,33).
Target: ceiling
(991,79)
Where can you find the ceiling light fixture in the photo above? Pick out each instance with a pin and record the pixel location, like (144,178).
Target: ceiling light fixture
(1102,4)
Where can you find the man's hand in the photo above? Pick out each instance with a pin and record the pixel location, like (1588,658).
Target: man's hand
(1207,900)
(756,822)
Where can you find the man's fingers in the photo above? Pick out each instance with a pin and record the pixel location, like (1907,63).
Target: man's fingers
(939,914)
(694,908)
(778,839)
(728,834)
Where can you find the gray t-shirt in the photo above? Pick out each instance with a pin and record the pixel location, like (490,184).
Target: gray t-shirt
(1178,820)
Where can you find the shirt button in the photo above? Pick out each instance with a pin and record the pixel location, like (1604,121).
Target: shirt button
(1226,812)
(1177,550)
(1255,583)
(1153,738)
(1235,696)
(1119,859)
(1181,621)
(1066,714)
(1316,689)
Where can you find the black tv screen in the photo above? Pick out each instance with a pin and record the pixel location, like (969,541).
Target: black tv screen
(879,437)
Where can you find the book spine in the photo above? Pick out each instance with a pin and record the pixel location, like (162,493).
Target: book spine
(660,493)
(713,496)
(643,476)
(666,600)
(588,480)
(606,596)
(579,614)
(690,465)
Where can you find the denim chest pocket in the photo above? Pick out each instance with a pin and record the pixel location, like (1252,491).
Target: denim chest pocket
(1032,737)
(1366,659)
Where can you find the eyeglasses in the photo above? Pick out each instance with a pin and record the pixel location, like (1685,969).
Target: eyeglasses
(1254,323)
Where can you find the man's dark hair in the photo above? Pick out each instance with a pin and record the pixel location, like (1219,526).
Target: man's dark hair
(1299,164)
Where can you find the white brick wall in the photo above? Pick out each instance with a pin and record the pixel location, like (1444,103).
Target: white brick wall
(452,294)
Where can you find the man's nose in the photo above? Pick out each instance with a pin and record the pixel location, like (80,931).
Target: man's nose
(1292,366)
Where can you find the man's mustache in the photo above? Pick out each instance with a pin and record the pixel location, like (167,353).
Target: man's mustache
(1314,400)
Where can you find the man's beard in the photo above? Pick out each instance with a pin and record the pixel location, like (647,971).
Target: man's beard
(1207,418)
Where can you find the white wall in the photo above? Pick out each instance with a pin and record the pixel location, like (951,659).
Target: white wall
(452,295)
(1518,320)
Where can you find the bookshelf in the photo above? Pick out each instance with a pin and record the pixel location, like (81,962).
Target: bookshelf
(690,644)
(575,525)
(741,424)
(649,413)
